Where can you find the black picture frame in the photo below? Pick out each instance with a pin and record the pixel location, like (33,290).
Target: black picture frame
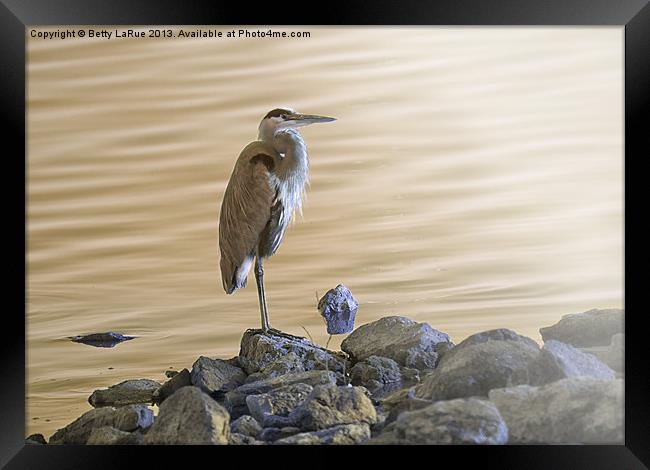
(633,15)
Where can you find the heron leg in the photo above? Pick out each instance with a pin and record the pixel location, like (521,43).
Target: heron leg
(266,326)
(259,277)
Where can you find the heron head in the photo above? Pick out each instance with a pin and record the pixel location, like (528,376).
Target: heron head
(284,118)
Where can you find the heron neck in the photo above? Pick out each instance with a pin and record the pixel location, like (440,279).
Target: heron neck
(290,144)
(266,132)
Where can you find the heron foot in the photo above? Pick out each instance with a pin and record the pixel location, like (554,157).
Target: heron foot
(276,332)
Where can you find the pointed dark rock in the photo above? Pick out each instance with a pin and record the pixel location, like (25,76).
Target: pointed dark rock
(102,340)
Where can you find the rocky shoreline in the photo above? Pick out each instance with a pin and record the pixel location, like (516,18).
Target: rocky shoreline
(395,381)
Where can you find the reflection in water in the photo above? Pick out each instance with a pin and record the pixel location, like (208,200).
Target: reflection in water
(473,180)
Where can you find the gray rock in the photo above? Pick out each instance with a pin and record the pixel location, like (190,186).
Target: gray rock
(498,334)
(558,361)
(102,340)
(443,348)
(278,402)
(397,397)
(234,361)
(613,355)
(409,404)
(246,425)
(380,425)
(35,439)
(235,400)
(243,440)
(383,376)
(339,309)
(375,372)
(408,343)
(255,377)
(129,392)
(574,410)
(410,375)
(390,406)
(273,434)
(111,436)
(592,328)
(277,421)
(331,405)
(215,376)
(345,434)
(460,421)
(487,360)
(386,437)
(182,379)
(287,364)
(378,393)
(171,373)
(259,350)
(125,418)
(190,416)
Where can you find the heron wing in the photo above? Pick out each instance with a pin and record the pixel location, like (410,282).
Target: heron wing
(245,212)
(274,230)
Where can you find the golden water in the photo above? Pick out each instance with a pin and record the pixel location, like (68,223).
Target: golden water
(473,180)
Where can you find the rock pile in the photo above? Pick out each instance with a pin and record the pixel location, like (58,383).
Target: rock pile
(395,382)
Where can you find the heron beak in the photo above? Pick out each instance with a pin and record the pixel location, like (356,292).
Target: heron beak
(305,119)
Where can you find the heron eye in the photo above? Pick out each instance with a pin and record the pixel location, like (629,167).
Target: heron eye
(283,116)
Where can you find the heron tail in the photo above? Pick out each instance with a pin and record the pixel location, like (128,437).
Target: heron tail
(239,276)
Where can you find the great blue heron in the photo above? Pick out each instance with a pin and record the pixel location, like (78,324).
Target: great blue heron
(264,190)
